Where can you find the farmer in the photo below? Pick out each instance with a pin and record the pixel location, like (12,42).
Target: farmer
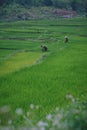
(44,47)
(66,39)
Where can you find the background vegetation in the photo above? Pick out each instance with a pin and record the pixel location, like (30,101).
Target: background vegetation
(41,9)
(74,4)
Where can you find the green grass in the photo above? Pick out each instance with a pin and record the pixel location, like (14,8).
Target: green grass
(61,71)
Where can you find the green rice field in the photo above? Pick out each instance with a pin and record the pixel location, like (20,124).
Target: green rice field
(30,76)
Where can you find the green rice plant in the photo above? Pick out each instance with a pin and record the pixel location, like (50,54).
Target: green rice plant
(60,71)
(18,61)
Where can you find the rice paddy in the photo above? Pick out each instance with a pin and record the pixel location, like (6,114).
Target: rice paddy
(30,76)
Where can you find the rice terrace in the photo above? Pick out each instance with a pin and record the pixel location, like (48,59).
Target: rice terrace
(31,77)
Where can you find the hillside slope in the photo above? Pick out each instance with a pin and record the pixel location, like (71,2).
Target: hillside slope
(17,12)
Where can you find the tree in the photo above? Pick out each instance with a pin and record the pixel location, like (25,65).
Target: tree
(25,2)
(85,6)
(5,2)
(74,4)
(48,2)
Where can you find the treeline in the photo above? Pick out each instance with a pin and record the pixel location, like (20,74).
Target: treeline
(68,4)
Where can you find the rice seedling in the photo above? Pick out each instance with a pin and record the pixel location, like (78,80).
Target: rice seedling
(30,76)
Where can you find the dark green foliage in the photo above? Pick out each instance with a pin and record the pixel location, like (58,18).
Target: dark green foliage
(25,2)
(48,2)
(85,6)
(5,2)
(74,4)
